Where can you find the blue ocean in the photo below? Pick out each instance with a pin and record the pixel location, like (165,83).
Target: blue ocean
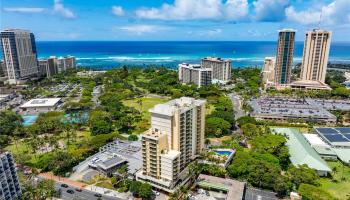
(110,54)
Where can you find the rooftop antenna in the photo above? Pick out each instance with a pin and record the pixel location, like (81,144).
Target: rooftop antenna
(319,22)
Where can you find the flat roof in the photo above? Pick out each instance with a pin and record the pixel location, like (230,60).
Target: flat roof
(182,104)
(336,137)
(234,188)
(172,154)
(315,140)
(44,102)
(293,108)
(300,150)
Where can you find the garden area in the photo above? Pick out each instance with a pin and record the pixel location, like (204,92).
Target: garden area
(339,184)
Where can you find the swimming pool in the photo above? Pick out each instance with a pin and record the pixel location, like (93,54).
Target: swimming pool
(29,119)
(224,153)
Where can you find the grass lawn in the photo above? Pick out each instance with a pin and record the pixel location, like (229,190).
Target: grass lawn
(337,188)
(147,103)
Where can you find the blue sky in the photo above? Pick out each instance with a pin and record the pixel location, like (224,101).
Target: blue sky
(248,20)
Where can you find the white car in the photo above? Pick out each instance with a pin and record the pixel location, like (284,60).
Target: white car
(156,193)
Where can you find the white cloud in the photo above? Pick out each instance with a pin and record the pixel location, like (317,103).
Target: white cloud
(337,12)
(236,9)
(61,9)
(140,29)
(117,10)
(24,9)
(270,10)
(197,10)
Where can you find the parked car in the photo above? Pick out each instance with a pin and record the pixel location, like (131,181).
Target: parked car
(64,185)
(98,195)
(70,191)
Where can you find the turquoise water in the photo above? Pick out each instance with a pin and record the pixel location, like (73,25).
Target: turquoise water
(224,153)
(29,119)
(110,54)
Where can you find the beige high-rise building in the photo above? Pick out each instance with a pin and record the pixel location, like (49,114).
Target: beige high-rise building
(176,138)
(268,72)
(284,56)
(221,68)
(315,55)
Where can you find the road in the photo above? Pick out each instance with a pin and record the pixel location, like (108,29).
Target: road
(237,105)
(84,194)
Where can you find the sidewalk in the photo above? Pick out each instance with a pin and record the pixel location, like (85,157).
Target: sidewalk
(62,180)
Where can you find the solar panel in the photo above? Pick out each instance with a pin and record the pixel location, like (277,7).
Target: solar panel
(336,138)
(326,131)
(344,130)
(347,135)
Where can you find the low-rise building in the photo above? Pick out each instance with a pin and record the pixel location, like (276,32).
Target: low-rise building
(289,109)
(233,189)
(40,105)
(301,153)
(10,188)
(194,73)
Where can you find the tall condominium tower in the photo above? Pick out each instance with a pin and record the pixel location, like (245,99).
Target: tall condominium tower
(284,56)
(192,73)
(9,184)
(174,140)
(20,54)
(268,72)
(221,68)
(315,55)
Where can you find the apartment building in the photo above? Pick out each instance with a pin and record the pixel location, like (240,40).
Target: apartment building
(10,188)
(194,73)
(176,138)
(315,55)
(284,56)
(20,56)
(51,66)
(221,68)
(268,72)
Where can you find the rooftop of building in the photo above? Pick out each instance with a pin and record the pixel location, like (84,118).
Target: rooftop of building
(335,136)
(234,188)
(172,154)
(194,67)
(152,134)
(310,84)
(128,150)
(315,140)
(15,30)
(217,59)
(106,160)
(287,30)
(44,102)
(182,104)
(283,106)
(300,150)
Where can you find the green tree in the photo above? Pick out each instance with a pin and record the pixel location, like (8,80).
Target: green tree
(9,121)
(133,137)
(310,192)
(145,191)
(303,174)
(217,126)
